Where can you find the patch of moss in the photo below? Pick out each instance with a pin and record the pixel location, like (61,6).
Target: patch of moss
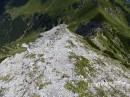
(101,92)
(40,83)
(2,91)
(79,87)
(31,55)
(35,95)
(82,65)
(6,78)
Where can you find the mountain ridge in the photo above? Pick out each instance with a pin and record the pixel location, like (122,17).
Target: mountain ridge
(72,48)
(60,64)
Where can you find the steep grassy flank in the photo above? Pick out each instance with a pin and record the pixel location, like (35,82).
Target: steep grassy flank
(15,46)
(74,12)
(28,9)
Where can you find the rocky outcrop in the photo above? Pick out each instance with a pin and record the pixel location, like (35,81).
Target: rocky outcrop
(61,64)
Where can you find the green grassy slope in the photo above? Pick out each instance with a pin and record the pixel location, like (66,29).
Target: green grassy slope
(112,15)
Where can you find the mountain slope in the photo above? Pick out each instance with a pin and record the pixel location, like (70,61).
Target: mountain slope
(42,57)
(59,64)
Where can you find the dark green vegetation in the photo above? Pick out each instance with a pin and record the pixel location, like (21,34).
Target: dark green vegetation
(22,20)
(82,65)
(79,87)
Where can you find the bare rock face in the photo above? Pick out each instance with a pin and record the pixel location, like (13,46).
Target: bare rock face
(60,64)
